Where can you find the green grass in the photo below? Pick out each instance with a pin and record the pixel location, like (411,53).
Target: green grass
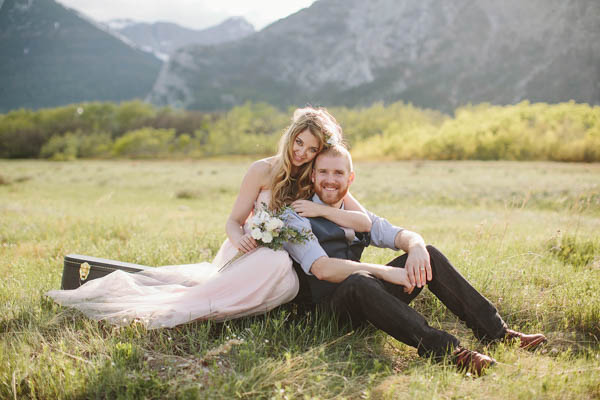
(525,234)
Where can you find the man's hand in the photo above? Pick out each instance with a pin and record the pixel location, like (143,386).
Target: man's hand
(308,209)
(418,266)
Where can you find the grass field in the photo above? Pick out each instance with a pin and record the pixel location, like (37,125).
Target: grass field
(525,234)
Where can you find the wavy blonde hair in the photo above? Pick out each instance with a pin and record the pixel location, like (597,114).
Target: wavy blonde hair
(285,187)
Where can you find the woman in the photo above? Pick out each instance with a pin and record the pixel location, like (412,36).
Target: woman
(171,295)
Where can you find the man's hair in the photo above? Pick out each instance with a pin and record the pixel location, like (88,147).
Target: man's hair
(338,150)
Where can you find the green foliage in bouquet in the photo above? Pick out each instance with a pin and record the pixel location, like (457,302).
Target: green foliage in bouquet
(268,228)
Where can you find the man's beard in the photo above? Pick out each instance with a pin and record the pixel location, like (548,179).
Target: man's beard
(333,197)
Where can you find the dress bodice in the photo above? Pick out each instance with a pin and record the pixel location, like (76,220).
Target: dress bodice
(264,196)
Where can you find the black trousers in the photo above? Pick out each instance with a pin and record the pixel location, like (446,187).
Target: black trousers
(364,298)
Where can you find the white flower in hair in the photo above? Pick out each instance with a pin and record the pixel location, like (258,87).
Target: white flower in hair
(333,140)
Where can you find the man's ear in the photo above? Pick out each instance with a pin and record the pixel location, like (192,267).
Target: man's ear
(351,177)
(312,176)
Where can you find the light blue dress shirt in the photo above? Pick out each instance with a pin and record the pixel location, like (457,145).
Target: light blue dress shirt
(383,234)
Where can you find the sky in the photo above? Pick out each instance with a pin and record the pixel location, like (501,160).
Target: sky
(196,14)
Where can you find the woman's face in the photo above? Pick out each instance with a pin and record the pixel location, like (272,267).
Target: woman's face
(304,149)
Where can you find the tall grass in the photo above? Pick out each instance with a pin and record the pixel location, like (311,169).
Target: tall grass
(525,234)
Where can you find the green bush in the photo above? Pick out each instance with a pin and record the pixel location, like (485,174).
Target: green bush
(61,148)
(379,120)
(145,143)
(555,132)
(20,135)
(77,145)
(573,251)
(95,145)
(559,132)
(248,129)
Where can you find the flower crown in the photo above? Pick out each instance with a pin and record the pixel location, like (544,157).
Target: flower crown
(332,139)
(330,129)
(331,132)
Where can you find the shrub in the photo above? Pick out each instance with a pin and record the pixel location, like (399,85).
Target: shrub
(77,145)
(556,132)
(144,143)
(247,129)
(61,148)
(95,145)
(187,194)
(570,250)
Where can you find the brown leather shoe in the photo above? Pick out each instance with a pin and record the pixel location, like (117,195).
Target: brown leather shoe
(528,342)
(471,361)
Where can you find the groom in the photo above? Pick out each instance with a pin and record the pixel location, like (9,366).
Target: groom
(332,275)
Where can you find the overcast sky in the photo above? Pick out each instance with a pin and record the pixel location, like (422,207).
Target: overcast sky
(190,13)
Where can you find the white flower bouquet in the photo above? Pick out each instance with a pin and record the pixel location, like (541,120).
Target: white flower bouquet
(269,230)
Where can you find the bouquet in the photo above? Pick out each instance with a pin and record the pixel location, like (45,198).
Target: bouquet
(269,230)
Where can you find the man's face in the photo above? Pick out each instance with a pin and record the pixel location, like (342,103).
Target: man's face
(331,178)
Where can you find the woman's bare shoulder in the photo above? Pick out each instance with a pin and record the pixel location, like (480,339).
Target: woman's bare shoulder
(262,170)
(264,165)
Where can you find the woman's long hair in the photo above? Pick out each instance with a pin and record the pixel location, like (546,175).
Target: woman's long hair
(285,187)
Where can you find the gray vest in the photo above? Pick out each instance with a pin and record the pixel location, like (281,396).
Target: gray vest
(333,240)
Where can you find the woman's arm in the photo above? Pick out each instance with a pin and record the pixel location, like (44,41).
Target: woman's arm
(251,186)
(350,203)
(352,216)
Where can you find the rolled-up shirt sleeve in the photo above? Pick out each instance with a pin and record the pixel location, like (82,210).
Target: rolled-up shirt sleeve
(305,253)
(383,233)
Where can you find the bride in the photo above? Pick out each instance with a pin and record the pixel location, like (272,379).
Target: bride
(256,283)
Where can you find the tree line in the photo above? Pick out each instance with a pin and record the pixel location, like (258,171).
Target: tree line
(133,129)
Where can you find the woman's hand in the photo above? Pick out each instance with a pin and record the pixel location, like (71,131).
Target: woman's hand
(246,243)
(309,209)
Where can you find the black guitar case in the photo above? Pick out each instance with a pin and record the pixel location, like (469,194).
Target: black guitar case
(79,269)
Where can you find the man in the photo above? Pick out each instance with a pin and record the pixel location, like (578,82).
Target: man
(331,274)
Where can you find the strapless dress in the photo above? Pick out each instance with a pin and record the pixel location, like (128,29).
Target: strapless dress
(171,295)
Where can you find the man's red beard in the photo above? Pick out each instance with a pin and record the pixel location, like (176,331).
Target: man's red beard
(331,197)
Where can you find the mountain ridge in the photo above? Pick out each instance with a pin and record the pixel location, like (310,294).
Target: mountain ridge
(52,56)
(163,38)
(435,55)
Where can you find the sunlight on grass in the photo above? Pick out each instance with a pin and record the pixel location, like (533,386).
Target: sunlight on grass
(525,234)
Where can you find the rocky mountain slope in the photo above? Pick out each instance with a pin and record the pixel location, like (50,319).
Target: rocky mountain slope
(431,53)
(52,56)
(163,38)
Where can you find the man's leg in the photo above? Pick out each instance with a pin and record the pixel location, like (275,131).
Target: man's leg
(362,297)
(456,293)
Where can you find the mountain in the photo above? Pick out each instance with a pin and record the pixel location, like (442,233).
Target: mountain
(430,53)
(163,38)
(52,56)
(119,23)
